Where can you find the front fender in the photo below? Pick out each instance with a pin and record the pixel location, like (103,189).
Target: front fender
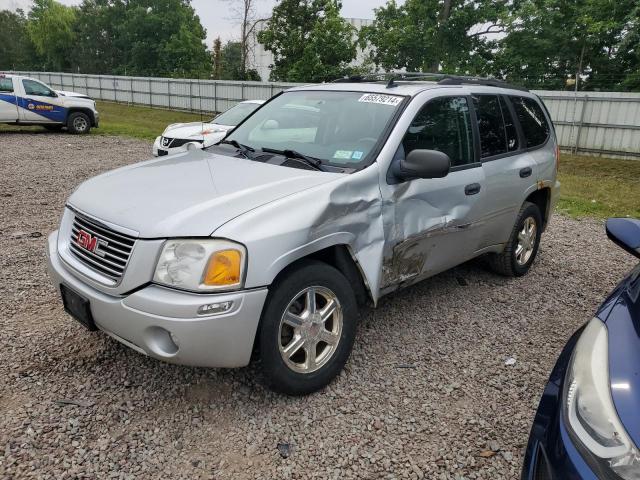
(346,211)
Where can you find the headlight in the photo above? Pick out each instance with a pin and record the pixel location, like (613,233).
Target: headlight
(201,265)
(589,407)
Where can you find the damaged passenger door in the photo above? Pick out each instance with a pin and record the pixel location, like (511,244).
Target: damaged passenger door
(434,224)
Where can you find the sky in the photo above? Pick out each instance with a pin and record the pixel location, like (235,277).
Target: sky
(216,15)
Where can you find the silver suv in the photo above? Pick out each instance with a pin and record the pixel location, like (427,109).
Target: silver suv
(325,199)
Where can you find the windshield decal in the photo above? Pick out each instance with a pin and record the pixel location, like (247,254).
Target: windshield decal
(343,154)
(381,99)
(357,155)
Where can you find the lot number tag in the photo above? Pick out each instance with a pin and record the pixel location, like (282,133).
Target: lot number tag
(391,100)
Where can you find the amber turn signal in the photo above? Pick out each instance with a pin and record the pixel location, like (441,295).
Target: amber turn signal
(223,269)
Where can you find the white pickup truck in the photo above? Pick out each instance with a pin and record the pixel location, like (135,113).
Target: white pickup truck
(27,101)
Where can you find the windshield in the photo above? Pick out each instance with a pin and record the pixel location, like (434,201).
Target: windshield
(339,128)
(235,115)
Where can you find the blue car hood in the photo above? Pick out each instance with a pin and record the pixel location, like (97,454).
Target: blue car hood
(623,325)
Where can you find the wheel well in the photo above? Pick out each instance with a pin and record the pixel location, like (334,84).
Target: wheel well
(339,257)
(83,110)
(541,199)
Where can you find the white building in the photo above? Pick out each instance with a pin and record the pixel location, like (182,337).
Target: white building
(262,59)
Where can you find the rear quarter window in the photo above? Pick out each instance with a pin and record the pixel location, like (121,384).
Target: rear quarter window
(532,120)
(6,85)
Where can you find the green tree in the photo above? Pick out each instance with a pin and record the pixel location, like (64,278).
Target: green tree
(430,35)
(141,37)
(549,41)
(51,29)
(217,58)
(309,40)
(231,64)
(16,50)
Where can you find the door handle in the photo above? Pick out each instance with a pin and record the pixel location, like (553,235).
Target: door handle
(472,189)
(525,172)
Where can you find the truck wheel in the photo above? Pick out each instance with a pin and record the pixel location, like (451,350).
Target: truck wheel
(78,123)
(307,328)
(522,248)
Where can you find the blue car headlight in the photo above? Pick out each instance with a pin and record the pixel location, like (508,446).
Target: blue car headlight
(589,408)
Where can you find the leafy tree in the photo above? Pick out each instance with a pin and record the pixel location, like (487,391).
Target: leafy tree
(429,35)
(217,58)
(16,50)
(231,64)
(549,41)
(51,29)
(310,41)
(141,37)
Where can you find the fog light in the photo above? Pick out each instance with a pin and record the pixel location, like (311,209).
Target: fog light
(215,308)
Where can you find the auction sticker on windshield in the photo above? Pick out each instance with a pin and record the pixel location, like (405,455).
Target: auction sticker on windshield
(390,100)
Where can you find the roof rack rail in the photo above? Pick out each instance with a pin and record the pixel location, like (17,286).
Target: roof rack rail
(489,82)
(441,78)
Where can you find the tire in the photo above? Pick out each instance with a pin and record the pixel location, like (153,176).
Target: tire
(78,123)
(513,262)
(54,128)
(292,372)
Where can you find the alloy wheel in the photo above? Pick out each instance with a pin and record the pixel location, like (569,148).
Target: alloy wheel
(526,241)
(310,329)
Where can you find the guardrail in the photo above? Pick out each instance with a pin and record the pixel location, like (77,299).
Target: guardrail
(596,123)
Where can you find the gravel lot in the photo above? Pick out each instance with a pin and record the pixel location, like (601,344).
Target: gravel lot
(424,393)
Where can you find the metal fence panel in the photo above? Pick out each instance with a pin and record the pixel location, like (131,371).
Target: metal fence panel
(600,123)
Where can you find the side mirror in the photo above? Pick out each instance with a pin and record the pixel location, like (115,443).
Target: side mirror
(625,232)
(423,164)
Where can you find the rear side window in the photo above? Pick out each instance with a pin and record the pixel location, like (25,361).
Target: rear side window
(443,124)
(509,127)
(493,137)
(6,85)
(532,119)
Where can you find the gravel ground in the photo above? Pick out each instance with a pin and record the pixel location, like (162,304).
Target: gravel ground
(424,393)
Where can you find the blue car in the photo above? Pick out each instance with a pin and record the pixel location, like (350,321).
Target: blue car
(588,422)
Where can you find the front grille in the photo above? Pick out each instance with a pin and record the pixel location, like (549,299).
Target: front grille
(113,250)
(176,142)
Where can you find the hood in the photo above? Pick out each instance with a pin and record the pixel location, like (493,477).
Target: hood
(189,194)
(194,130)
(73,94)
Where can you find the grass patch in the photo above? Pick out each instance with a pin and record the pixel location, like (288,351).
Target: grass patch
(599,187)
(139,122)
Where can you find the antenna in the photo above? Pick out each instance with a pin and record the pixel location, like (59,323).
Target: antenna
(200,100)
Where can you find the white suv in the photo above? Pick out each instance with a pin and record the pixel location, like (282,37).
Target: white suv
(180,137)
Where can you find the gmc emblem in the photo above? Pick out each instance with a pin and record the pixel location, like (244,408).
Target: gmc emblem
(91,243)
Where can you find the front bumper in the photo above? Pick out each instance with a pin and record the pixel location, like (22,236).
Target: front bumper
(159,150)
(551,454)
(163,323)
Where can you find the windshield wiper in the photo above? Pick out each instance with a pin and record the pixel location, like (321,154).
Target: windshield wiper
(244,149)
(295,155)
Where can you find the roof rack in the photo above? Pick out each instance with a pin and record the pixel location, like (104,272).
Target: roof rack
(441,78)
